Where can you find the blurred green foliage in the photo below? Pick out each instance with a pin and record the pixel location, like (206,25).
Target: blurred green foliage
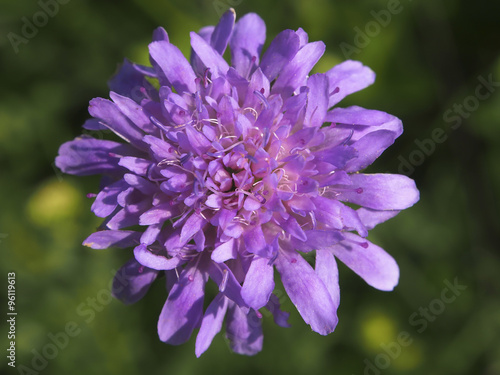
(428,58)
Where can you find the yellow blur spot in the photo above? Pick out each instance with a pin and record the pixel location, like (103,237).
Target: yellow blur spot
(54,202)
(377,328)
(411,357)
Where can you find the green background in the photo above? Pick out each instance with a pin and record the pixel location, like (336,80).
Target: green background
(428,59)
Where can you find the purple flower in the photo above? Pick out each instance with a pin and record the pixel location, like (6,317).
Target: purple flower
(232,170)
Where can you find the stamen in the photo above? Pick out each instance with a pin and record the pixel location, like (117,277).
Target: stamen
(266,137)
(221,193)
(260,198)
(348,138)
(262,98)
(232,146)
(157,123)
(223,283)
(211,120)
(313,219)
(252,158)
(240,220)
(185,158)
(206,80)
(254,112)
(199,104)
(170,162)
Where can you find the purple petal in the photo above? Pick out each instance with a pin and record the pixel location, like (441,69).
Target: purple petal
(225,251)
(157,214)
(192,225)
(132,282)
(178,183)
(222,32)
(304,38)
(174,65)
(338,155)
(133,111)
(294,74)
(327,271)
(93,124)
(183,309)
(87,156)
(259,283)
(255,241)
(280,316)
(371,218)
(143,185)
(129,215)
(349,76)
(160,149)
(369,261)
(244,331)
(112,238)
(151,233)
(106,201)
(337,215)
(307,292)
(206,34)
(154,261)
(130,82)
(211,323)
(198,142)
(138,166)
(381,191)
(292,227)
(317,100)
(209,56)
(222,275)
(337,177)
(360,120)
(112,117)
(328,212)
(246,43)
(369,148)
(279,53)
(294,108)
(160,34)
(260,83)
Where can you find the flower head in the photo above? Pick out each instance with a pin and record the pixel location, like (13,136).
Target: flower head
(232,170)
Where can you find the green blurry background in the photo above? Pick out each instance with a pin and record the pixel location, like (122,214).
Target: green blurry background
(428,58)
